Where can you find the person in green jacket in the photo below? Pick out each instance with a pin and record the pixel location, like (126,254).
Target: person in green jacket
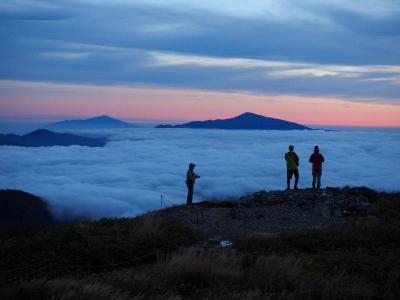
(292,163)
(191,177)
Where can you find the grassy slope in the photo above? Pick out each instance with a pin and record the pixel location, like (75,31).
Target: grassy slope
(134,258)
(90,247)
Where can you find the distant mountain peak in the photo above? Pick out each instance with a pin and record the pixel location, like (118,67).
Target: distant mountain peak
(102,117)
(96,118)
(97,122)
(246,121)
(249,114)
(39,132)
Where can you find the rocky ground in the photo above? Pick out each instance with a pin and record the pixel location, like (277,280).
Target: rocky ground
(267,213)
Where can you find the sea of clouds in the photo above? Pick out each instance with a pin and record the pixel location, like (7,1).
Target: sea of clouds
(128,176)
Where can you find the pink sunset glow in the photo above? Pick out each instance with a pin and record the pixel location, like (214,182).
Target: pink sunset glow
(21,99)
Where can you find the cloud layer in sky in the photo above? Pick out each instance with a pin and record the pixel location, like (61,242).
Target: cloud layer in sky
(341,48)
(128,176)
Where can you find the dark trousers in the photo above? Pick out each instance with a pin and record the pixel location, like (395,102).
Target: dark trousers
(190,186)
(290,175)
(316,178)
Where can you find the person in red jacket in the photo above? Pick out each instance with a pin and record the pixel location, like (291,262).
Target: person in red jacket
(316,159)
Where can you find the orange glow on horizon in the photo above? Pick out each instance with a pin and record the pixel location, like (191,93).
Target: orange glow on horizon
(178,105)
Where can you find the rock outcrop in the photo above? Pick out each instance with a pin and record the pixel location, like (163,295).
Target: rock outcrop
(276,211)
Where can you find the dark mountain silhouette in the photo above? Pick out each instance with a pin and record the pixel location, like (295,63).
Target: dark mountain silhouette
(43,137)
(22,211)
(100,122)
(247,120)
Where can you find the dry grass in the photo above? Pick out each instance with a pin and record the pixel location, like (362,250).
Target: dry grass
(228,274)
(362,262)
(91,247)
(233,275)
(64,289)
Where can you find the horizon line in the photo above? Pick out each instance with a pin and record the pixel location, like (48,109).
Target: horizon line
(42,119)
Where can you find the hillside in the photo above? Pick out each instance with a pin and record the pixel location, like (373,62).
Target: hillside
(99,122)
(246,121)
(337,243)
(20,211)
(47,138)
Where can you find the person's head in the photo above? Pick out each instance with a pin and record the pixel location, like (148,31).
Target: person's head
(291,147)
(316,149)
(191,166)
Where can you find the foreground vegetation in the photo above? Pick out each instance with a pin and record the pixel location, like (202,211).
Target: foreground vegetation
(90,247)
(146,258)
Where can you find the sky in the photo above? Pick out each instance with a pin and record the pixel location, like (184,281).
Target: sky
(315,62)
(128,176)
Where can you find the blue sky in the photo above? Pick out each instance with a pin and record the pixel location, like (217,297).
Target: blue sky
(345,49)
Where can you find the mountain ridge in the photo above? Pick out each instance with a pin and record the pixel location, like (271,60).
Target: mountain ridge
(46,138)
(246,121)
(98,122)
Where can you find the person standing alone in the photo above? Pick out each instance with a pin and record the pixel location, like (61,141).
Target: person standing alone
(316,159)
(292,163)
(190,180)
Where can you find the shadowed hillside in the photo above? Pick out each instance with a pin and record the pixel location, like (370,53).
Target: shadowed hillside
(20,211)
(169,255)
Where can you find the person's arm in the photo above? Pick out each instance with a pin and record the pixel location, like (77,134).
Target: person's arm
(311,158)
(322,158)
